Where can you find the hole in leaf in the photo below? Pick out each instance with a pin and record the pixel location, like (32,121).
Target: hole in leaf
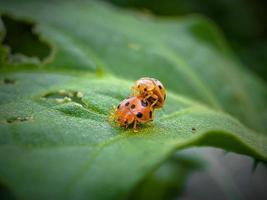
(19,119)
(64,96)
(71,103)
(21,39)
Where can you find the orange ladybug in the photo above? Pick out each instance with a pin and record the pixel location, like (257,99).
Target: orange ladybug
(151,90)
(133,110)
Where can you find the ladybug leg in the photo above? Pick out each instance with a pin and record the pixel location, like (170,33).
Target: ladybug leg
(135,123)
(149,94)
(156,100)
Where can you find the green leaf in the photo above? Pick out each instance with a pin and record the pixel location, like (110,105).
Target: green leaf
(186,54)
(59,142)
(56,140)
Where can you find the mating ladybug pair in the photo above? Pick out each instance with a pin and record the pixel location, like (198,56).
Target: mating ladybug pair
(146,95)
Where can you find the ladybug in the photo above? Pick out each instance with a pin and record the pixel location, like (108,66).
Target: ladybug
(151,90)
(133,110)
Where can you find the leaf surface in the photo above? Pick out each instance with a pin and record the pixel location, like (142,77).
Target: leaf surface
(186,54)
(64,147)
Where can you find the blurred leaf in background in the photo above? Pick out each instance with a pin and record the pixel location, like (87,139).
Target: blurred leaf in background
(244,22)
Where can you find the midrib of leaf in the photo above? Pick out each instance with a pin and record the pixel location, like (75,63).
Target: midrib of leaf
(197,82)
(234,74)
(250,111)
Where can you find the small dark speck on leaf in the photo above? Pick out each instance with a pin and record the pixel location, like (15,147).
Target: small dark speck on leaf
(9,81)
(193,129)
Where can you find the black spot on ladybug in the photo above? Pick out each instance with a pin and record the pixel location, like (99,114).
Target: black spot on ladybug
(145,89)
(139,115)
(164,96)
(118,106)
(125,122)
(150,114)
(132,106)
(127,103)
(138,86)
(159,86)
(144,103)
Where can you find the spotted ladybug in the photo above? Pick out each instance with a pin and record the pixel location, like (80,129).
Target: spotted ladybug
(132,111)
(151,90)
